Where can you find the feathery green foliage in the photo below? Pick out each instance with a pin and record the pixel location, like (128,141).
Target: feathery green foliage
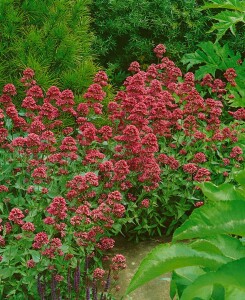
(51,37)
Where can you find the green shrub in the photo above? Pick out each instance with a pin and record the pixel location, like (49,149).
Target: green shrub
(51,37)
(128,30)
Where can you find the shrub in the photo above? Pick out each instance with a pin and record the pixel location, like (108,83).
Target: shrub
(209,265)
(126,30)
(52,37)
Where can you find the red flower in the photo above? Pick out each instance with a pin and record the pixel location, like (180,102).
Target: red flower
(235,152)
(98,273)
(230,75)
(2,241)
(58,208)
(16,216)
(29,103)
(35,91)
(101,78)
(145,203)
(40,239)
(95,92)
(28,227)
(121,170)
(9,89)
(199,158)
(39,172)
(3,188)
(190,168)
(118,262)
(30,263)
(159,50)
(202,175)
(149,143)
(134,67)
(106,243)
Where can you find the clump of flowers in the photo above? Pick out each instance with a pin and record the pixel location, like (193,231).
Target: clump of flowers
(67,190)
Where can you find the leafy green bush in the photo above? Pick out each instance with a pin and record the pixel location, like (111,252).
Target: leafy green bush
(210,265)
(128,30)
(51,37)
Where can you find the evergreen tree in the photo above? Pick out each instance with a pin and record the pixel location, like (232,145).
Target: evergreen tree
(50,36)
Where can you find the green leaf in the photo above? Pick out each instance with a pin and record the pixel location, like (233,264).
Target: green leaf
(225,217)
(224,245)
(227,20)
(238,5)
(223,192)
(213,57)
(35,255)
(183,277)
(166,258)
(7,272)
(9,253)
(230,275)
(240,177)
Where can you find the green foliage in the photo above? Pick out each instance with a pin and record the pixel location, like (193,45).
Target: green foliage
(214,59)
(128,30)
(234,13)
(51,37)
(208,230)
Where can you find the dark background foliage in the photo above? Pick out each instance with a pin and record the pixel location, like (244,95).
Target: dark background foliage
(128,30)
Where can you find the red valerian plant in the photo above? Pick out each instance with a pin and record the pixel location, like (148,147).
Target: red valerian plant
(55,221)
(65,191)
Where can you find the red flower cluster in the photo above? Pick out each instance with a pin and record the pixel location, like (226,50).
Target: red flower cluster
(58,208)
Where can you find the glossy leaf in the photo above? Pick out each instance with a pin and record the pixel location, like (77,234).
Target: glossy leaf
(224,245)
(229,275)
(225,217)
(225,191)
(183,277)
(240,177)
(166,258)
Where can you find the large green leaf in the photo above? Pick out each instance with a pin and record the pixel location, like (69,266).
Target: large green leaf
(226,20)
(223,192)
(230,275)
(183,277)
(225,245)
(238,5)
(212,57)
(240,177)
(166,258)
(225,217)
(234,13)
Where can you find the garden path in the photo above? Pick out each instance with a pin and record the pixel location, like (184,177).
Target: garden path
(157,289)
